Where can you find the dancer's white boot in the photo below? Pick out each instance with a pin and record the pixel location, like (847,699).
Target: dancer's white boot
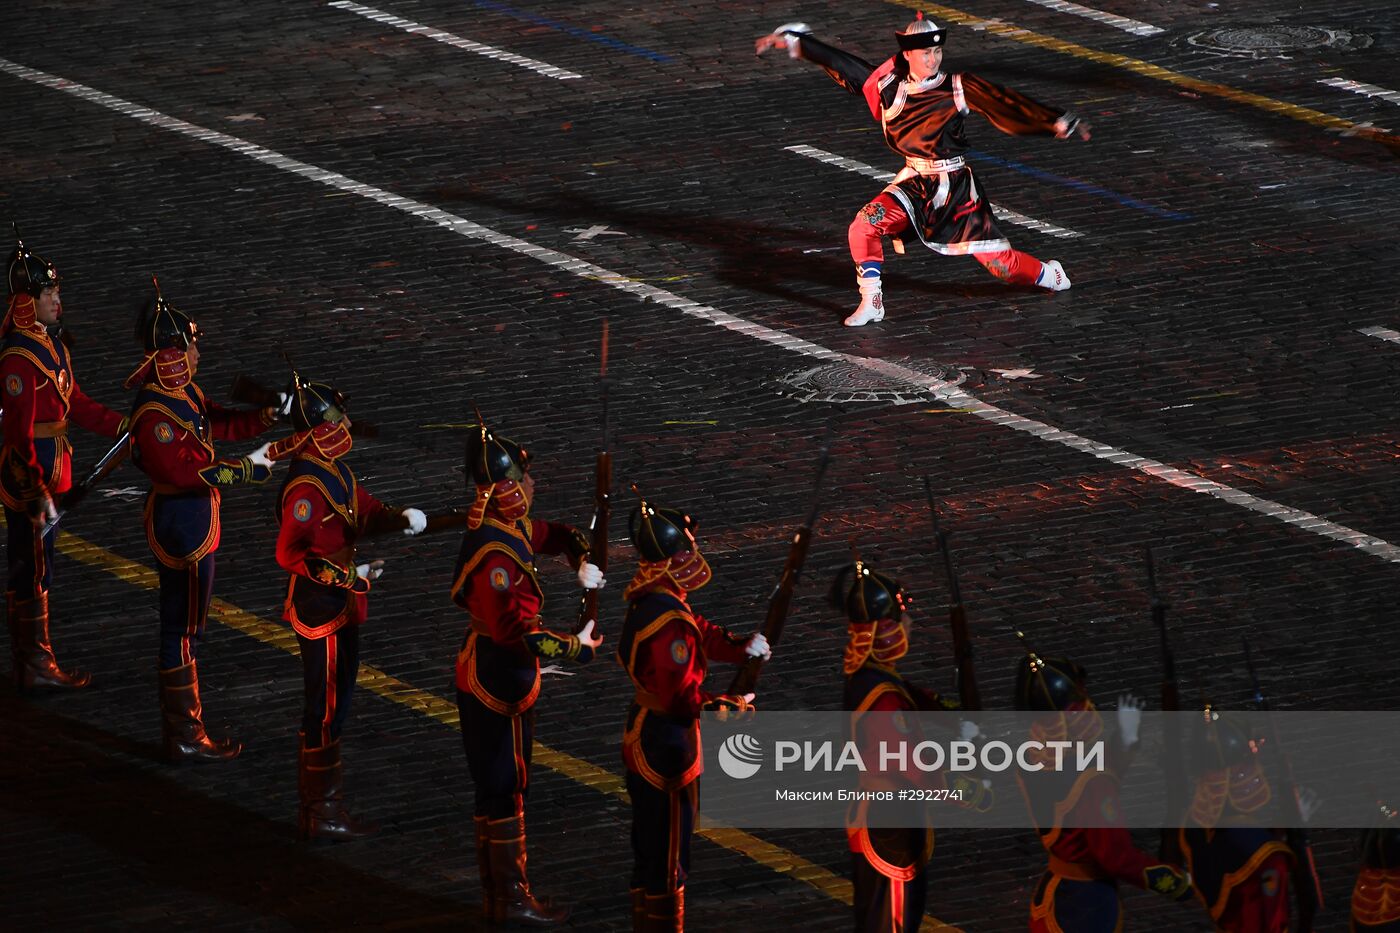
(872,303)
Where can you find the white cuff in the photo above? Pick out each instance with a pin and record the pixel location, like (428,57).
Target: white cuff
(787,31)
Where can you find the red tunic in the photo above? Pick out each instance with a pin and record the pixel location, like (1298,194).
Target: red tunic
(40,389)
(496,584)
(323,514)
(666,648)
(172,432)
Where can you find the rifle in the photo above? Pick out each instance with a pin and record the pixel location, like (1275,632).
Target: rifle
(968,694)
(248,391)
(602,500)
(109,462)
(780,600)
(1169,843)
(1307,887)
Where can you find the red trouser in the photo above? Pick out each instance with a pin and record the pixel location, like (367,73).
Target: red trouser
(1010,265)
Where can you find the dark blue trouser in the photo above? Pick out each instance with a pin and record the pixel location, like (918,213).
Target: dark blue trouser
(498,750)
(184,609)
(329,666)
(662,823)
(29,557)
(879,897)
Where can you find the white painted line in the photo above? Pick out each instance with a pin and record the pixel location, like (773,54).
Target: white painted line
(1109,19)
(1383,333)
(1357,87)
(408,25)
(953,395)
(999,212)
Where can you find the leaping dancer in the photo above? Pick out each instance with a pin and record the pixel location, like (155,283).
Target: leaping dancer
(921,109)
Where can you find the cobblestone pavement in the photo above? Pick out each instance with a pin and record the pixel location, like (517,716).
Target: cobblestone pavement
(430,221)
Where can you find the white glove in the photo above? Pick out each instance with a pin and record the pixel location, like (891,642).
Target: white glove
(284,404)
(585,634)
(757,647)
(1308,802)
(1129,719)
(417,521)
(967,730)
(371,571)
(48,512)
(259,457)
(590,577)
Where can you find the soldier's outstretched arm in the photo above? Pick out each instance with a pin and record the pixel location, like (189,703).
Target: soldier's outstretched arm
(93,415)
(169,456)
(720,644)
(558,538)
(234,424)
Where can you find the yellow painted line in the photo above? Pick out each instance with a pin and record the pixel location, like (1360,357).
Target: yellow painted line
(1149,70)
(444,711)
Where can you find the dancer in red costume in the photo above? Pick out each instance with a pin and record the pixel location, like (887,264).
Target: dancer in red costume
(921,109)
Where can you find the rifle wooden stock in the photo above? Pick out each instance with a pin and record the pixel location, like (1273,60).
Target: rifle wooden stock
(602,496)
(968,694)
(1173,755)
(248,391)
(598,537)
(1307,887)
(779,602)
(445,522)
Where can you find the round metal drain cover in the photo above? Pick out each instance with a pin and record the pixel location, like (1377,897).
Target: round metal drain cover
(1274,41)
(846,382)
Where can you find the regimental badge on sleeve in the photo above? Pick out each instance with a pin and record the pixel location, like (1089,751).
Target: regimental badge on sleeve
(1269,882)
(1109,810)
(301,510)
(164,432)
(500,579)
(680,651)
(14,384)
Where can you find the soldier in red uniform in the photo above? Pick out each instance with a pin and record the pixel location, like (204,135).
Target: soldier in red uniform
(41,396)
(498,668)
(1078,814)
(889,863)
(921,111)
(173,428)
(1241,869)
(323,511)
(666,648)
(1375,899)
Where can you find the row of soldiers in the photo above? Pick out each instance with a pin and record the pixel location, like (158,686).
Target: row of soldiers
(1239,874)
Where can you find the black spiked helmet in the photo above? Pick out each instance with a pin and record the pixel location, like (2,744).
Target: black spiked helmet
(315,404)
(866,595)
(1219,741)
(29,274)
(162,326)
(659,533)
(1048,684)
(491,458)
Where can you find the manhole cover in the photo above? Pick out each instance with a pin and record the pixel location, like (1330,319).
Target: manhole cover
(1274,41)
(846,382)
